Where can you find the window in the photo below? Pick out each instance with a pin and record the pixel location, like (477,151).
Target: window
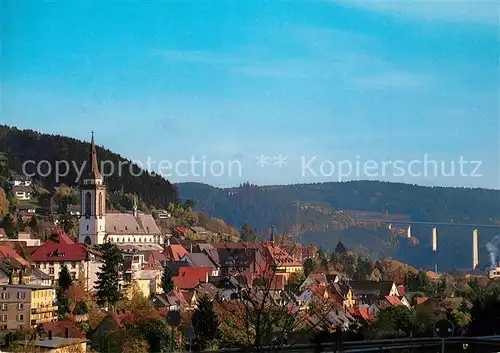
(100,204)
(21,295)
(4,306)
(126,228)
(88,203)
(51,270)
(73,275)
(73,265)
(20,306)
(87,227)
(4,318)
(20,317)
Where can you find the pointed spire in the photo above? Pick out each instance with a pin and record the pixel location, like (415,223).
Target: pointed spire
(272,234)
(93,167)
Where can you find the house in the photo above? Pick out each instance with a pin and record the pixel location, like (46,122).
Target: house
(26,211)
(201,260)
(23,237)
(344,292)
(280,260)
(368,291)
(63,328)
(181,282)
(174,252)
(237,259)
(199,273)
(22,193)
(52,255)
(206,289)
(314,279)
(23,306)
(53,344)
(21,180)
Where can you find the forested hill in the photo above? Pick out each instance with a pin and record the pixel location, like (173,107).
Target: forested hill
(352,213)
(23,145)
(419,203)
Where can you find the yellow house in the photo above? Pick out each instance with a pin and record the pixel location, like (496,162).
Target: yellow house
(139,286)
(23,306)
(282,261)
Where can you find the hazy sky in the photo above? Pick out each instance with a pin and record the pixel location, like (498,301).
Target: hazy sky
(230,81)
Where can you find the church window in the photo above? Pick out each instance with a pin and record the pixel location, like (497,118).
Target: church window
(114,227)
(137,228)
(88,203)
(129,240)
(126,228)
(100,203)
(87,227)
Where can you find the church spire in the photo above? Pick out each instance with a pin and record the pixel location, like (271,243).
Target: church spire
(93,167)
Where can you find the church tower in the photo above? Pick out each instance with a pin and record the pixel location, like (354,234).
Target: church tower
(92,224)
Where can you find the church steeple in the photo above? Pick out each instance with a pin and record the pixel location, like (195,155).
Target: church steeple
(93,167)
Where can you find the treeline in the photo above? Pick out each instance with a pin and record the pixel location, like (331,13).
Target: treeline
(19,146)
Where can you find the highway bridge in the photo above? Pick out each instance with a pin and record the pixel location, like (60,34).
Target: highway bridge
(472,225)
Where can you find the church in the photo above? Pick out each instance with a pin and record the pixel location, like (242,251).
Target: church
(97,226)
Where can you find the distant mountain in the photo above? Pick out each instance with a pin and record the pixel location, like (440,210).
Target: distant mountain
(18,146)
(356,212)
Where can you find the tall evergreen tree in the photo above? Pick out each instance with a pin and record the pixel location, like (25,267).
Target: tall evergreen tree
(166,279)
(63,284)
(65,281)
(107,279)
(205,323)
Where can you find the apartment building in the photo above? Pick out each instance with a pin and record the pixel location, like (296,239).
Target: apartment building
(23,306)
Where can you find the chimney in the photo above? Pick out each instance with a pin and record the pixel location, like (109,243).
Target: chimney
(66,332)
(475,251)
(50,334)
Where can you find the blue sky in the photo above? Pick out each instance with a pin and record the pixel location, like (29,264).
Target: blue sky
(232,80)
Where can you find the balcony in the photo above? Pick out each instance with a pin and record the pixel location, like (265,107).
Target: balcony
(47,309)
(35,322)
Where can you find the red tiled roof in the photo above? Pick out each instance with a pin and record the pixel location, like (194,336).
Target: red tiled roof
(199,273)
(62,251)
(420,300)
(7,253)
(280,257)
(62,237)
(277,283)
(182,229)
(174,252)
(394,301)
(184,282)
(58,329)
(177,294)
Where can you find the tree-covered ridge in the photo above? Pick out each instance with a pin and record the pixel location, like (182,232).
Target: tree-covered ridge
(325,214)
(18,146)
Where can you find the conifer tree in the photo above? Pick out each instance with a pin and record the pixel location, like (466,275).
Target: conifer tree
(205,323)
(63,284)
(107,279)
(166,279)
